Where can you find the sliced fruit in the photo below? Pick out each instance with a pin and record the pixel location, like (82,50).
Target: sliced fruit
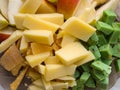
(4,8)
(30,6)
(67,7)
(3,22)
(13,8)
(13,38)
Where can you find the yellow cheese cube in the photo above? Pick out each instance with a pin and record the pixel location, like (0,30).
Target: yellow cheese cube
(55,18)
(54,71)
(59,85)
(52,60)
(30,6)
(47,85)
(23,45)
(41,69)
(19,18)
(71,53)
(35,60)
(40,48)
(78,28)
(39,36)
(67,39)
(46,7)
(69,79)
(31,22)
(88,58)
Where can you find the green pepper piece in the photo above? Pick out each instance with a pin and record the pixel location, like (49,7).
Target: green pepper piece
(104,27)
(94,49)
(117,65)
(90,83)
(106,51)
(99,65)
(116,50)
(93,40)
(109,16)
(115,35)
(101,40)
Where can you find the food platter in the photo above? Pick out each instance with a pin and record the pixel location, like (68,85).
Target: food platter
(37,53)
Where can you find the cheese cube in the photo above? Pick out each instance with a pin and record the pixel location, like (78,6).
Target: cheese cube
(54,71)
(57,85)
(30,6)
(67,39)
(55,18)
(71,53)
(35,23)
(46,7)
(40,48)
(41,69)
(23,45)
(19,18)
(52,60)
(88,58)
(47,85)
(69,79)
(35,60)
(78,28)
(39,36)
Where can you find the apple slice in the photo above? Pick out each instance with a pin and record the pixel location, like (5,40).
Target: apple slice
(46,7)
(5,33)
(4,8)
(13,8)
(3,22)
(67,7)
(8,42)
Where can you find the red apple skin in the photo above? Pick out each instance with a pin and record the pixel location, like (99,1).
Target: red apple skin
(67,7)
(3,36)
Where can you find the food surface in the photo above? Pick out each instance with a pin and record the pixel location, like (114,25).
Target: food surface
(60,44)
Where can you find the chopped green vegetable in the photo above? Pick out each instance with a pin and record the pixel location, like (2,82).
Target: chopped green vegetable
(107,61)
(77,74)
(109,16)
(99,65)
(90,83)
(116,50)
(94,49)
(106,51)
(115,35)
(101,40)
(104,27)
(83,78)
(103,85)
(93,40)
(117,65)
